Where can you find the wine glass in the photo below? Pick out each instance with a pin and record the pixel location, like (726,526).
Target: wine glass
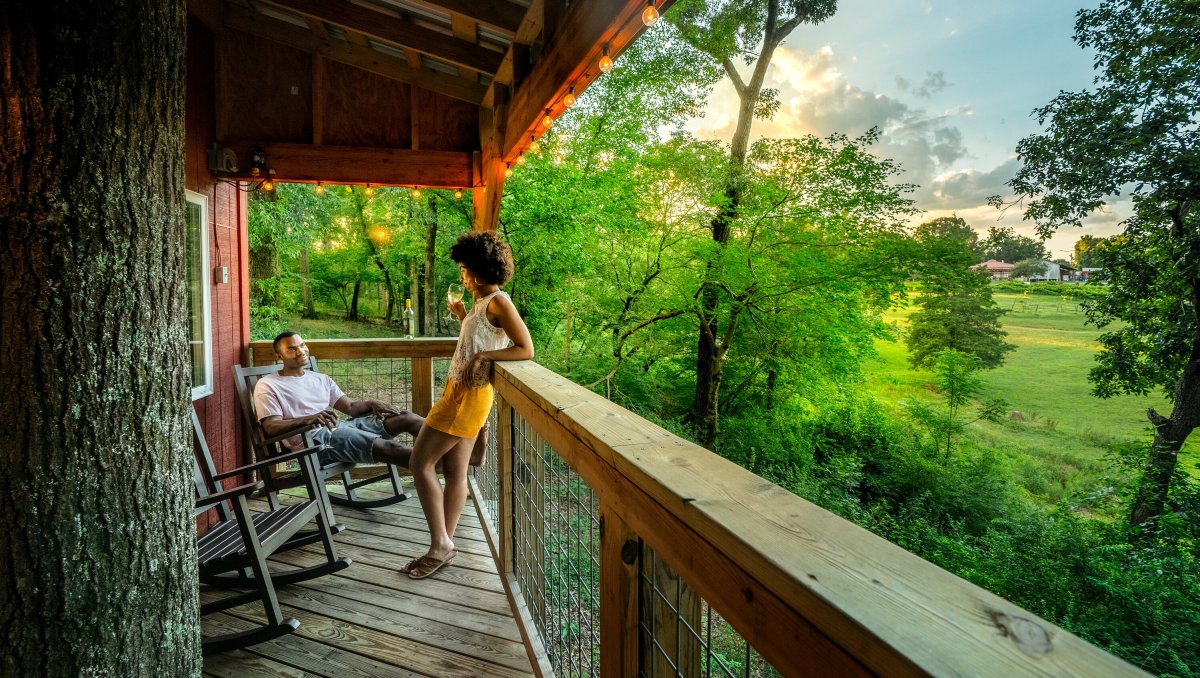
(454,293)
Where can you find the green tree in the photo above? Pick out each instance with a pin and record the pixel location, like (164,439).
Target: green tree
(1085,253)
(1029,268)
(750,30)
(954,228)
(1136,129)
(1003,244)
(957,309)
(956,376)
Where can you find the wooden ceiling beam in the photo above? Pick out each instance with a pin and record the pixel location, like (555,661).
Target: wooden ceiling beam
(354,165)
(259,25)
(396,31)
(499,15)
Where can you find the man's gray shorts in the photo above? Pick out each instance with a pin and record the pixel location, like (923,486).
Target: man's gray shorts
(351,440)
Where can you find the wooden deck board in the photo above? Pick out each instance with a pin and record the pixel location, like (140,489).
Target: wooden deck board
(370,620)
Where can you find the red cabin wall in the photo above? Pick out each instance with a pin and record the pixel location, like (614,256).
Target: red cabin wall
(228,242)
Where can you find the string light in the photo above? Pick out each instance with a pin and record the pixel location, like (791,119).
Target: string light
(605,61)
(547,120)
(533,144)
(650,14)
(416,192)
(507,171)
(320,189)
(268,185)
(458,194)
(521,159)
(569,100)
(369,190)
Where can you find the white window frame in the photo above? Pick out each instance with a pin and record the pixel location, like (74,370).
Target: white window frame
(205,389)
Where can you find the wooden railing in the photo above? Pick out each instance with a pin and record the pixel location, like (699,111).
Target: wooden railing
(812,593)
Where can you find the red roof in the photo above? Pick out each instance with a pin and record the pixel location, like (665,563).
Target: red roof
(993,265)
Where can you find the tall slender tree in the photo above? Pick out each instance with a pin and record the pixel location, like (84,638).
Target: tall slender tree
(98,572)
(1137,129)
(750,30)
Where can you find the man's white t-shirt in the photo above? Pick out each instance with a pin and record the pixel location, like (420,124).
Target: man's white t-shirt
(292,397)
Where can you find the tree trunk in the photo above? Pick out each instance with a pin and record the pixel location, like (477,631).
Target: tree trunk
(305,288)
(353,313)
(263,272)
(96,533)
(1169,435)
(431,308)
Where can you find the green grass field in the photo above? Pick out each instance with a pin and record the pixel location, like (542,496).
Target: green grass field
(1062,428)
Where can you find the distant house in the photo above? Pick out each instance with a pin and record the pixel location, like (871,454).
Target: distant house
(996,270)
(1054,271)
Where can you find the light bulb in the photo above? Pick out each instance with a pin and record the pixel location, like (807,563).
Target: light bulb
(569,100)
(533,145)
(369,190)
(520,159)
(650,14)
(416,192)
(605,61)
(268,185)
(320,189)
(507,171)
(458,194)
(547,120)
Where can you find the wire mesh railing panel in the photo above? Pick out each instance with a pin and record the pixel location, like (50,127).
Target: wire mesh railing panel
(487,477)
(679,634)
(556,545)
(386,379)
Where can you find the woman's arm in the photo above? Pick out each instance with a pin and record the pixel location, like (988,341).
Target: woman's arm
(502,310)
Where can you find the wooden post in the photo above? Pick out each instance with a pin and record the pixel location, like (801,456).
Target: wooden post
(620,556)
(422,385)
(664,614)
(504,508)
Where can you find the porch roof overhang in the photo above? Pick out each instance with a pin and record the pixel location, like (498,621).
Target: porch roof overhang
(429,93)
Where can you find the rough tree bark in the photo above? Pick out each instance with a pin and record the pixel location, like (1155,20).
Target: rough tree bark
(98,571)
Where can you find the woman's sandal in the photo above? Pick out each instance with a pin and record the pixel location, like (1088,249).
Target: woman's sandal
(425,566)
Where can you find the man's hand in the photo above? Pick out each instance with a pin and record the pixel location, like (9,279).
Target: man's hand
(382,409)
(326,418)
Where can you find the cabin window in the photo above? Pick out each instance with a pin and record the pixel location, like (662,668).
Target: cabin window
(199,308)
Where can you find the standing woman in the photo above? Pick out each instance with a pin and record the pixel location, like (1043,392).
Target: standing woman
(449,432)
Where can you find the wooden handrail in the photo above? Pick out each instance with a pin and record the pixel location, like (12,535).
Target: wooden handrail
(350,349)
(813,593)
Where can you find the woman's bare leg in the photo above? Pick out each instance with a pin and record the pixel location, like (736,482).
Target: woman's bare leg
(432,445)
(454,468)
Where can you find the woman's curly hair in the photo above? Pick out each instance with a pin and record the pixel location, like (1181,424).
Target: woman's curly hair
(484,255)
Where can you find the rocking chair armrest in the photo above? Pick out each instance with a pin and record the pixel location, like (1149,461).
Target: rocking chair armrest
(278,459)
(218,497)
(299,430)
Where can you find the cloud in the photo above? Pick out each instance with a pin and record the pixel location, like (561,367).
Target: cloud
(935,81)
(817,98)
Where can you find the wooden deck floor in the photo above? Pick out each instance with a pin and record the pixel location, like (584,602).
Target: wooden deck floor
(368,620)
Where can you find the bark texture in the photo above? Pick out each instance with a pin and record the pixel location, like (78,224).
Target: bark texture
(98,572)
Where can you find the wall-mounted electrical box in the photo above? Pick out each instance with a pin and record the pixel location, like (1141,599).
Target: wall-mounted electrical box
(221,275)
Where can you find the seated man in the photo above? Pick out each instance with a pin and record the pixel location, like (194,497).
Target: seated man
(294,397)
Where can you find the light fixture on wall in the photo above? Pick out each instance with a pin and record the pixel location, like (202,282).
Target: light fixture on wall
(650,14)
(606,62)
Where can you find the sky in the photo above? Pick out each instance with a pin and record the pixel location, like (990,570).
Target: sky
(951,83)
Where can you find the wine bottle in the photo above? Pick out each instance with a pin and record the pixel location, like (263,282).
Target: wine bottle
(410,319)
